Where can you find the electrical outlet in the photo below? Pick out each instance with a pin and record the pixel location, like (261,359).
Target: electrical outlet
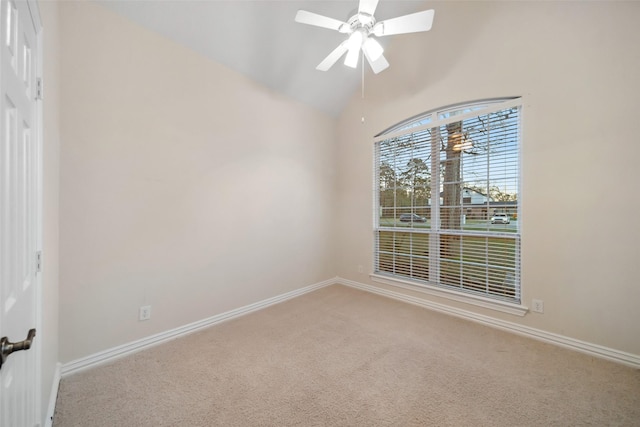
(538,306)
(145,312)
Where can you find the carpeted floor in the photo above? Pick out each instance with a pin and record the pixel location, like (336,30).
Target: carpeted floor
(343,357)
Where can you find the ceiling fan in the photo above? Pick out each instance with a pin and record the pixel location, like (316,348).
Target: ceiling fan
(361,28)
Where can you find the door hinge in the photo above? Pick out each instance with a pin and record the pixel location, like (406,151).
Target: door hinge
(38,261)
(39,88)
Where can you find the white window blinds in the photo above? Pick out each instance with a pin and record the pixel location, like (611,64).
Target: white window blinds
(447,200)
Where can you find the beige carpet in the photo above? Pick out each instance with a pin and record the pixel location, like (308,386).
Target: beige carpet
(343,357)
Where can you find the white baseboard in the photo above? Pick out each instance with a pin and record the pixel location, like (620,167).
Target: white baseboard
(126,349)
(595,350)
(53,396)
(109,355)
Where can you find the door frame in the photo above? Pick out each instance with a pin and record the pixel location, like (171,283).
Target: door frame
(37,23)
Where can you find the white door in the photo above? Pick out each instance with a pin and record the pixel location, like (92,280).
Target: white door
(18,211)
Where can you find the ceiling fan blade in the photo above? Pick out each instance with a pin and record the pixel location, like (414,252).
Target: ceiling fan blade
(368,6)
(379,64)
(333,57)
(413,23)
(310,18)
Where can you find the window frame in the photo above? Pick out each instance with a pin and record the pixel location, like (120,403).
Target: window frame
(429,120)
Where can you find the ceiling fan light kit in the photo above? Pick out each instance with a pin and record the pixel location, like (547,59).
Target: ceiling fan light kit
(373,48)
(361,28)
(354,44)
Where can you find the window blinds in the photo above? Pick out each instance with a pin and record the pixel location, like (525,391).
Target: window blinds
(447,200)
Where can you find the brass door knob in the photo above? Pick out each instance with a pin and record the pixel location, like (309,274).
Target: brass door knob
(6,347)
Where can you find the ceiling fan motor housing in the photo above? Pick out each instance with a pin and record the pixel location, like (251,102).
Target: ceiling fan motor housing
(361,21)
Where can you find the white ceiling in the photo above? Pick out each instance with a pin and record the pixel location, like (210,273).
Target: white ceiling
(260,39)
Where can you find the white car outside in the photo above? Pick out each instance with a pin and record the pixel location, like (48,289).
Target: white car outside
(500,218)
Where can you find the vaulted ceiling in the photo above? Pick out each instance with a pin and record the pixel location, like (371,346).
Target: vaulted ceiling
(260,39)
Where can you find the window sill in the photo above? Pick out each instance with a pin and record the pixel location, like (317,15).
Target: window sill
(503,306)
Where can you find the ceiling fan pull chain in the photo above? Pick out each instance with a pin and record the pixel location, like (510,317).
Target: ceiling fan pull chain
(362,62)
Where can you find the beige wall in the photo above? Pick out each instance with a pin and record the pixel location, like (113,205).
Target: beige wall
(576,64)
(48,334)
(184,186)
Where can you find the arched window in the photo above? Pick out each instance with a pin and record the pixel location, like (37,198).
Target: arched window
(447,191)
